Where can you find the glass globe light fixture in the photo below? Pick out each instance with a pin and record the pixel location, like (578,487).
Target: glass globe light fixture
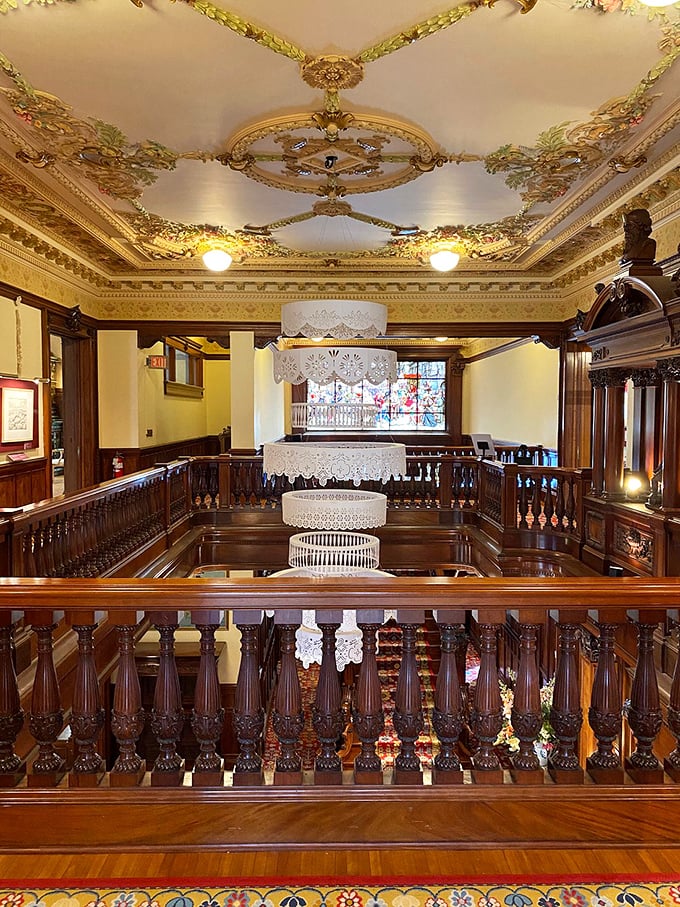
(444,260)
(216,259)
(658,2)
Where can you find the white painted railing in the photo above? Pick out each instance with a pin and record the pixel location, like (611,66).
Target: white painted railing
(333,415)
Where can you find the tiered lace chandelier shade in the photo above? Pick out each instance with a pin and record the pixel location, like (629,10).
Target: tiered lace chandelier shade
(326,364)
(334,553)
(342,319)
(345,461)
(342,509)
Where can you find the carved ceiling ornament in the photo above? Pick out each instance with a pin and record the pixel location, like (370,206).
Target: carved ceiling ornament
(332,73)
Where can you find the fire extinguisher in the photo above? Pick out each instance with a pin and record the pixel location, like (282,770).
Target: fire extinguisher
(117,464)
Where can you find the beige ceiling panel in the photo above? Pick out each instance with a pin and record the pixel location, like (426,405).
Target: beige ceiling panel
(332,234)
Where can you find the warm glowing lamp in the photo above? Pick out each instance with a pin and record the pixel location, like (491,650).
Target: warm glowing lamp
(216,259)
(444,260)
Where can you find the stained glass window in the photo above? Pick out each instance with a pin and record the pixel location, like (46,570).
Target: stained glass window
(416,401)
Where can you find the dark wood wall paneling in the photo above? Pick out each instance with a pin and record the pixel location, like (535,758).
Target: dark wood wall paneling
(138,458)
(24,482)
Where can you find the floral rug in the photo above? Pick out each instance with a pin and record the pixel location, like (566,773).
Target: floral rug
(431,894)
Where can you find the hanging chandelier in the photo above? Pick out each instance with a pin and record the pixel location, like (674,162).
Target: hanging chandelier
(345,461)
(326,364)
(335,508)
(339,318)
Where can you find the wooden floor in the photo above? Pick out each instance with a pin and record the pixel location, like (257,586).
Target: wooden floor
(353,865)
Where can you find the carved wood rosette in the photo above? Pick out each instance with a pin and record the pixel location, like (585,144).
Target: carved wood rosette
(207,716)
(368,715)
(167,715)
(288,719)
(487,710)
(604,714)
(12,768)
(526,714)
(248,711)
(127,716)
(87,715)
(46,718)
(644,712)
(566,715)
(447,714)
(408,717)
(327,717)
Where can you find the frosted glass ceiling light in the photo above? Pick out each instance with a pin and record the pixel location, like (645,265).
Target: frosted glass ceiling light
(444,260)
(216,259)
(337,318)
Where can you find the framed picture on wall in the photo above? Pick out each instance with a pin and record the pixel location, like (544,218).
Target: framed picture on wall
(18,414)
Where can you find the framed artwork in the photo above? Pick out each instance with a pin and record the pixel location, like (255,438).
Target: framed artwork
(18,414)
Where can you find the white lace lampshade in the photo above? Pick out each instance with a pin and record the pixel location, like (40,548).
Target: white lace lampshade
(344,509)
(324,364)
(338,318)
(334,553)
(345,461)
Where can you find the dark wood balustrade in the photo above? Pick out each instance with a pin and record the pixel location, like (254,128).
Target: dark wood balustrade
(102,530)
(633,732)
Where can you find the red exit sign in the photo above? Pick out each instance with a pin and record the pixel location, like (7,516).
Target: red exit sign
(157,361)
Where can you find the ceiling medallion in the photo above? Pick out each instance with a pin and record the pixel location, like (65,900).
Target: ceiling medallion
(360,153)
(332,73)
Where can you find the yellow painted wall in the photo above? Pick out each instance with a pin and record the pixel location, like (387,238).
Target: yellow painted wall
(513,396)
(21,355)
(242,349)
(118,393)
(168,418)
(217,381)
(269,400)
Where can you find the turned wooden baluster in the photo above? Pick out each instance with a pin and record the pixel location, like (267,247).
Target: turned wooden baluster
(672,761)
(288,718)
(207,716)
(408,718)
(447,713)
(327,718)
(368,715)
(549,505)
(11,713)
(644,713)
(87,715)
(167,716)
(571,505)
(560,506)
(248,711)
(522,501)
(526,714)
(487,709)
(46,717)
(536,489)
(604,714)
(566,715)
(127,716)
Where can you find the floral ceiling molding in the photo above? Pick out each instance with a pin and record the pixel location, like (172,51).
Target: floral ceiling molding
(332,154)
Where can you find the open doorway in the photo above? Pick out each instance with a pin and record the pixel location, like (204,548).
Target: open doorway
(57,414)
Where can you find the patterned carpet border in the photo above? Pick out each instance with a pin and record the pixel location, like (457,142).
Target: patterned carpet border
(135,893)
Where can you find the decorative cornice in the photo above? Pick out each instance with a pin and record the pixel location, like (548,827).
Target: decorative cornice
(608,377)
(669,369)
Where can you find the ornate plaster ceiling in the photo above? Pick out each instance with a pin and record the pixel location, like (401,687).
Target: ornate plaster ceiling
(314,141)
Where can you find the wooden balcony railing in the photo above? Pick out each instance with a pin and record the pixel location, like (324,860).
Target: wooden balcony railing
(620,702)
